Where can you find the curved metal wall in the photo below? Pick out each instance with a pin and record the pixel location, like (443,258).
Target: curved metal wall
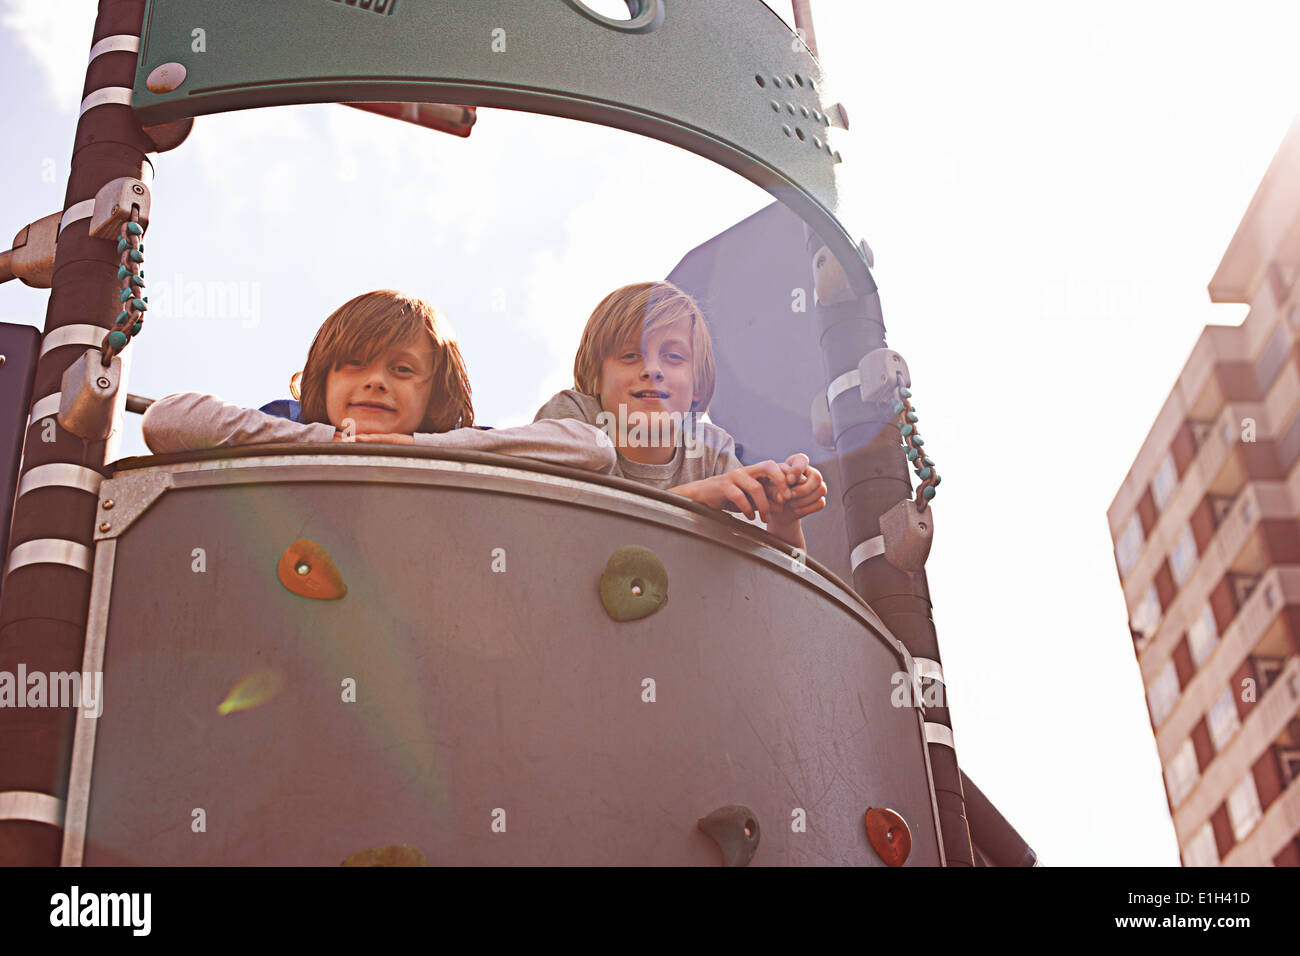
(479,686)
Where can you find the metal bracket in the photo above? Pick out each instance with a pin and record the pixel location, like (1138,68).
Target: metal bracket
(908,534)
(87,396)
(113,204)
(122,500)
(32,257)
(878,375)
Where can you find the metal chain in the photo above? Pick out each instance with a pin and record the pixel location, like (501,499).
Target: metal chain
(921,464)
(131,320)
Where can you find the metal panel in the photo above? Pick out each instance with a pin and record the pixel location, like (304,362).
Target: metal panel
(723,78)
(19,345)
(476,689)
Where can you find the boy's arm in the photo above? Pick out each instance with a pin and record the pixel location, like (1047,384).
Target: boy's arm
(565,441)
(192,421)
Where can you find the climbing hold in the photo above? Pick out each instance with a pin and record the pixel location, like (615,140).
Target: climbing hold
(135,329)
(911,454)
(908,429)
(928,461)
(735,829)
(898,406)
(122,273)
(938,478)
(924,473)
(124,316)
(124,295)
(123,244)
(904,393)
(927,492)
(634,585)
(137,282)
(134,228)
(918,440)
(913,417)
(889,835)
(135,255)
(116,340)
(307,570)
(139,304)
(395,854)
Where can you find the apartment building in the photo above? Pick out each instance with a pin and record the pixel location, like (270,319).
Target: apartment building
(1207,544)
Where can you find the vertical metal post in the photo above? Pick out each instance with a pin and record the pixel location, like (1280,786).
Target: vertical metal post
(874,474)
(45,600)
(803,22)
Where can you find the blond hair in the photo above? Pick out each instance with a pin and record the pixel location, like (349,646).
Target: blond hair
(630,312)
(368,326)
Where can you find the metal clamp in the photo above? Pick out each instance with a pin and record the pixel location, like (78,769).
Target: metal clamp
(879,373)
(87,396)
(113,205)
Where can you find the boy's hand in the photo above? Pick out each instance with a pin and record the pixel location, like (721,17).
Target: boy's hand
(806,486)
(753,488)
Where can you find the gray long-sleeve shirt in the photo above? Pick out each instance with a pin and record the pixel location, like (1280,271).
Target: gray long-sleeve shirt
(714,452)
(190,421)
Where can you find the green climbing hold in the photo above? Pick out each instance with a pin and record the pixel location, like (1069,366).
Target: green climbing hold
(135,255)
(137,282)
(938,478)
(135,329)
(927,492)
(634,585)
(124,295)
(904,393)
(911,454)
(907,429)
(925,473)
(927,461)
(116,340)
(134,229)
(123,244)
(913,417)
(918,440)
(898,407)
(122,273)
(139,304)
(124,317)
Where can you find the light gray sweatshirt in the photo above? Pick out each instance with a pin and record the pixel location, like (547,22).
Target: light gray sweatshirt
(190,421)
(714,452)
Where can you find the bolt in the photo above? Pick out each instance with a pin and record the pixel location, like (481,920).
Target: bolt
(103,382)
(108,504)
(104,526)
(137,189)
(2,361)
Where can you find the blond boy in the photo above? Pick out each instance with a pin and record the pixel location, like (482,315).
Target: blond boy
(643,373)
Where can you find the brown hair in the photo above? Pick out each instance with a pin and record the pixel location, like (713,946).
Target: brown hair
(630,312)
(370,325)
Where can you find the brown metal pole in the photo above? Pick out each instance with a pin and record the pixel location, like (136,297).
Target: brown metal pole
(47,585)
(803,22)
(874,477)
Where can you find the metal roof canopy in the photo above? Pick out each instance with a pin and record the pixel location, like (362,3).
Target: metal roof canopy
(719,78)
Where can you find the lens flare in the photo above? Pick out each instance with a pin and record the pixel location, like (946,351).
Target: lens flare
(253,691)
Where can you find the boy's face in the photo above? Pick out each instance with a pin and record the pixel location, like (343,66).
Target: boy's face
(654,375)
(389,395)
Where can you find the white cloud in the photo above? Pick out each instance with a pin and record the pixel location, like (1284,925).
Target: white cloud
(57,35)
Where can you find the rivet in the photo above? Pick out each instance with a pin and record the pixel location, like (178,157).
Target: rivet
(165,78)
(789,108)
(302,568)
(776,108)
(817,144)
(2,358)
(104,526)
(102,382)
(786,130)
(776,81)
(805,111)
(789,81)
(108,504)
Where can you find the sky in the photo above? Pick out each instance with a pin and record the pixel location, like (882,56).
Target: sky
(1047,190)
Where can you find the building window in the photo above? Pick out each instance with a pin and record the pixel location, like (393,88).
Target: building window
(1165,482)
(1203,636)
(1163,693)
(1243,807)
(1223,720)
(1181,774)
(1130,545)
(1201,850)
(1147,613)
(1183,558)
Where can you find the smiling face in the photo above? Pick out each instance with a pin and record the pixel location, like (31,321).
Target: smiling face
(390,394)
(652,376)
